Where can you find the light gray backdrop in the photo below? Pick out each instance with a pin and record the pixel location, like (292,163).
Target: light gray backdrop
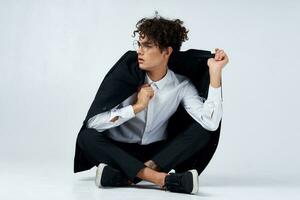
(54,55)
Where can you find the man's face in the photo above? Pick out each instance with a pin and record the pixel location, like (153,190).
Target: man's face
(150,56)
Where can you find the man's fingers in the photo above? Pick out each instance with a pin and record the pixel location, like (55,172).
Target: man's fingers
(216,53)
(217,56)
(220,54)
(151,95)
(143,86)
(146,85)
(148,90)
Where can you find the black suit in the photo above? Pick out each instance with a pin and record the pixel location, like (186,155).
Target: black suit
(122,81)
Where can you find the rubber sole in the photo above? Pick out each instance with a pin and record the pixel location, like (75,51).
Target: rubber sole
(195,181)
(99,174)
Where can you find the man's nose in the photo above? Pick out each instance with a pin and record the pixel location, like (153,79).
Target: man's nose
(139,50)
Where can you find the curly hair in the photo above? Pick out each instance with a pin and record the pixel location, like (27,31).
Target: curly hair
(162,32)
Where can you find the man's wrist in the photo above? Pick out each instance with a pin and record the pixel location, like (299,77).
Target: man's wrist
(137,108)
(215,78)
(215,83)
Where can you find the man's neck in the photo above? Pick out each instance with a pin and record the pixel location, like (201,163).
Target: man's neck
(158,74)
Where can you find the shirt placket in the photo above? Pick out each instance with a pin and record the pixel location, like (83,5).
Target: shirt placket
(149,116)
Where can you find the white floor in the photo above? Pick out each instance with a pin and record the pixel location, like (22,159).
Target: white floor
(46,181)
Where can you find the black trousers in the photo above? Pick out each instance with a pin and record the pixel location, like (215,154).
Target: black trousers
(181,153)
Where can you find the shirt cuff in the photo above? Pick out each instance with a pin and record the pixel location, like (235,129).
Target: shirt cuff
(126,112)
(214,93)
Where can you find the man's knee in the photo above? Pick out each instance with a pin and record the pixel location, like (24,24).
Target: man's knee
(87,136)
(201,135)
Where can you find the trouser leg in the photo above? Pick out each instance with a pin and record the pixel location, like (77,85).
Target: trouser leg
(99,148)
(200,159)
(182,147)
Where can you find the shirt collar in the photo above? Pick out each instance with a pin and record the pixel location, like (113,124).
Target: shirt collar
(159,84)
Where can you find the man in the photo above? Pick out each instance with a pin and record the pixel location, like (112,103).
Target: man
(130,143)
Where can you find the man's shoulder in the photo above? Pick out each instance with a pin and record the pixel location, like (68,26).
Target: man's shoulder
(179,78)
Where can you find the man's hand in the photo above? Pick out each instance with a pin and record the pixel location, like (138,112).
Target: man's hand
(145,93)
(215,67)
(216,64)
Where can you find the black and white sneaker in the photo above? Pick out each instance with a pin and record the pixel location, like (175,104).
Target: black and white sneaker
(107,176)
(186,182)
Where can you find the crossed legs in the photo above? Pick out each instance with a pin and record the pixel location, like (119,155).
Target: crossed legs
(99,148)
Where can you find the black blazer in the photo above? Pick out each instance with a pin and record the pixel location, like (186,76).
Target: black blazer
(125,77)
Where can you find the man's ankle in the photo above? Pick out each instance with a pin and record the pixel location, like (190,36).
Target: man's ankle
(152,165)
(163,177)
(152,176)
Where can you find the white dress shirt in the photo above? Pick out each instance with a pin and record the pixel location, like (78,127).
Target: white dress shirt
(150,124)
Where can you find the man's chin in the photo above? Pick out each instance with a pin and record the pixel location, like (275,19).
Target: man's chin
(141,66)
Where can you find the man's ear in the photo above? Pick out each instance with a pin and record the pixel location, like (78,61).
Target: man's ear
(168,51)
